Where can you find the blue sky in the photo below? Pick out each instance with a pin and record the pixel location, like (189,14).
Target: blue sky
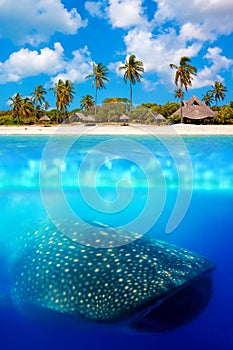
(44,40)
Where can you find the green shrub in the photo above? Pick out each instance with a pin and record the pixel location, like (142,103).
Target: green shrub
(7,119)
(174,119)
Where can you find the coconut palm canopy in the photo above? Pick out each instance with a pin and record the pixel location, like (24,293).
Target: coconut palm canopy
(195,109)
(218,91)
(133,72)
(99,78)
(183,77)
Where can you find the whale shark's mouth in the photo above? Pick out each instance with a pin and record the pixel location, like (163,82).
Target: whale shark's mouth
(177,309)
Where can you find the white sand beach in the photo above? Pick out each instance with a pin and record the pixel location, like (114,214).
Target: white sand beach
(132,129)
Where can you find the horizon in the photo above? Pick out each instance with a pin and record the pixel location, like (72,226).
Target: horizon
(62,39)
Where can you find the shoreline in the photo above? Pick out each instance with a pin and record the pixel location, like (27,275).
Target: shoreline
(132,129)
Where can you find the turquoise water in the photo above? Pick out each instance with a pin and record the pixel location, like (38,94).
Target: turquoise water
(112,180)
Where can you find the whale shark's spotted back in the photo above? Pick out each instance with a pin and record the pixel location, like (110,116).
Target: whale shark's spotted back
(54,272)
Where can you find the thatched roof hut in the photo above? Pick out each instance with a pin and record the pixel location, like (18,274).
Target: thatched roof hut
(89,118)
(158,118)
(76,117)
(44,118)
(124,118)
(195,109)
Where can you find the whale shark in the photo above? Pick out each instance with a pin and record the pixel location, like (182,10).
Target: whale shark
(138,283)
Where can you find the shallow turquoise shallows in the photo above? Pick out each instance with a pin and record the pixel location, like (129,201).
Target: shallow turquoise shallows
(179,190)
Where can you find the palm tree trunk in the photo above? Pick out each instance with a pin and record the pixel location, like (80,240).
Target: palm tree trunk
(95,100)
(181,104)
(131,97)
(181,110)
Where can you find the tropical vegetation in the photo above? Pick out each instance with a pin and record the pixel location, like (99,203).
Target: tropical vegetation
(38,98)
(133,69)
(21,107)
(208,98)
(64,93)
(29,109)
(183,77)
(99,78)
(218,91)
(87,102)
(178,93)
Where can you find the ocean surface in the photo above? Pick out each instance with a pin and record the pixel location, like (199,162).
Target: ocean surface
(178,189)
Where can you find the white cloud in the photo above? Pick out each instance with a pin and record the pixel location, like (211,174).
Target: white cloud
(209,74)
(190,31)
(157,52)
(179,29)
(114,67)
(25,63)
(149,85)
(95,8)
(34,21)
(126,13)
(77,68)
(220,62)
(213,17)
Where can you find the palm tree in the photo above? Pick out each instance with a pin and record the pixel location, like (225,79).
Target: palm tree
(184,76)
(133,68)
(87,102)
(68,91)
(218,91)
(38,97)
(208,98)
(27,107)
(16,103)
(179,93)
(22,107)
(46,105)
(64,93)
(99,76)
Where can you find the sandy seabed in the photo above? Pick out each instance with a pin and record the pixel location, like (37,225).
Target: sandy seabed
(132,129)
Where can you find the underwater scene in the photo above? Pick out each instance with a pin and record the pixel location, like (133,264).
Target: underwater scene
(111,242)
